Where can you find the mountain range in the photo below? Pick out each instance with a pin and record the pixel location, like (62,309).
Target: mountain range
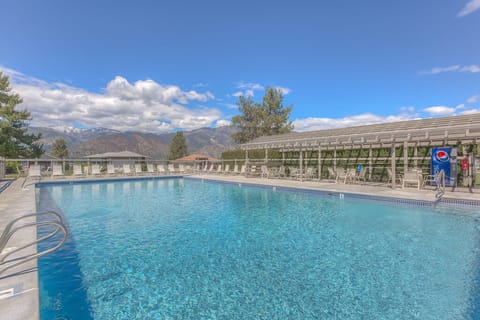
(83,142)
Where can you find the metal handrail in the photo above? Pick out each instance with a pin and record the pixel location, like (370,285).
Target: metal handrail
(440,184)
(10,231)
(6,231)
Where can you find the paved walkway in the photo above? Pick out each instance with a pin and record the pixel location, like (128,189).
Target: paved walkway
(374,189)
(15,202)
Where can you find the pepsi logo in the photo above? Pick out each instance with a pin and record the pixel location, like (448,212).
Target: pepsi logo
(442,156)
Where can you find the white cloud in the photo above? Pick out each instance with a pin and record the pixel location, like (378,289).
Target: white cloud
(470,7)
(247,89)
(471,111)
(250,85)
(309,124)
(472,68)
(223,123)
(455,68)
(144,105)
(283,90)
(440,110)
(473,99)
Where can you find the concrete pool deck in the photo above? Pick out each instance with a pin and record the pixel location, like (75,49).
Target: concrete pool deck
(16,201)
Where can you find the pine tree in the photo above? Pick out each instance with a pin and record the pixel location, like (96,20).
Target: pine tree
(15,141)
(261,119)
(59,149)
(178,147)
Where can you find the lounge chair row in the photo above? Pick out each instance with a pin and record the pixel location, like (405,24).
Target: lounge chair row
(347,175)
(225,170)
(95,170)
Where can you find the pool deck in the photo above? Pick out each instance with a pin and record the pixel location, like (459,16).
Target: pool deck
(14,202)
(17,200)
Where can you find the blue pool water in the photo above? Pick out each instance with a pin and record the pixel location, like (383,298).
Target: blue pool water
(187,249)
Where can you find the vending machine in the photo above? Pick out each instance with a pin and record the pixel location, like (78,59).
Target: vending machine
(444,158)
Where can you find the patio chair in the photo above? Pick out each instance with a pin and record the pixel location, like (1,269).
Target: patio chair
(219,169)
(340,174)
(264,172)
(412,177)
(171,169)
(331,173)
(280,173)
(243,169)
(138,168)
(96,170)
(127,170)
(361,175)
(294,173)
(309,174)
(77,170)
(57,171)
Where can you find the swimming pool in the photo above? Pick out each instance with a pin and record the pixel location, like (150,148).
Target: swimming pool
(188,249)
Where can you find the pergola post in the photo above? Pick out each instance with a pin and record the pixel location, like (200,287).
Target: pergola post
(370,162)
(335,158)
(394,174)
(301,164)
(266,155)
(283,157)
(246,161)
(319,162)
(405,156)
(415,155)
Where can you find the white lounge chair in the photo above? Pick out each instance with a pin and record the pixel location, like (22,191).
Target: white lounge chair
(150,168)
(219,169)
(96,170)
(181,168)
(210,170)
(161,169)
(77,170)
(226,170)
(138,168)
(235,169)
(243,169)
(171,169)
(127,170)
(111,169)
(57,170)
(34,171)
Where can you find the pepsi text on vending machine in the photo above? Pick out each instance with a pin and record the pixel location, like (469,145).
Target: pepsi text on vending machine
(441,161)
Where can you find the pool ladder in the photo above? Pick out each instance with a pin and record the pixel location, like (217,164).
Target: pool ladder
(51,220)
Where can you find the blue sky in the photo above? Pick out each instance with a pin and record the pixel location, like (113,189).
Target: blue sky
(159,66)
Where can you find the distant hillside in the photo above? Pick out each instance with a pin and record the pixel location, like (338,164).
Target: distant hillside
(82,142)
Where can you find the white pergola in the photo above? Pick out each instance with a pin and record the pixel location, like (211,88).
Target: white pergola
(464,129)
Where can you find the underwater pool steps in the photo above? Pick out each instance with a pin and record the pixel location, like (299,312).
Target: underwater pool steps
(51,220)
